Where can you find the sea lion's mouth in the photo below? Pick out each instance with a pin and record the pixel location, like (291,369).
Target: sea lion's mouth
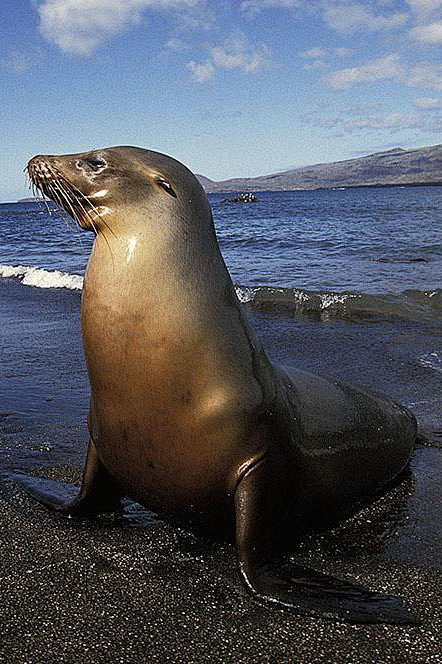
(48,180)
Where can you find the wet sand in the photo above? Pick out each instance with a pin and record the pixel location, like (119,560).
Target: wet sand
(133,589)
(130,588)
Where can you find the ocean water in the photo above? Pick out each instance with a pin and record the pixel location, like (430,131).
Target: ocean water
(346,283)
(294,245)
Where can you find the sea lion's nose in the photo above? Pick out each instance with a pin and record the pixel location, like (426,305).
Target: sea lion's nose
(40,166)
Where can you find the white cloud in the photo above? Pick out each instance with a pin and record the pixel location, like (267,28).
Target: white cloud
(316,64)
(357,17)
(376,70)
(255,6)
(201,72)
(343,52)
(422,75)
(388,121)
(424,6)
(320,52)
(175,44)
(425,75)
(358,121)
(428,34)
(80,26)
(427,103)
(316,56)
(237,53)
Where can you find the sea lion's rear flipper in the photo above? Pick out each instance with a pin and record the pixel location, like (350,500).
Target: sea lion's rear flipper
(305,591)
(99,492)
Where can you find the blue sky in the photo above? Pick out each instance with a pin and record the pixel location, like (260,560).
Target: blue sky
(231,88)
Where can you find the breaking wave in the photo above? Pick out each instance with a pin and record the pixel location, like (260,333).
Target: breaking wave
(40,278)
(432,360)
(409,305)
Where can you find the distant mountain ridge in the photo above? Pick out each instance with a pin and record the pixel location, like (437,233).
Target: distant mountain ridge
(33,199)
(394,167)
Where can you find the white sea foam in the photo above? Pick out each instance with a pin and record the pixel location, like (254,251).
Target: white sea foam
(36,276)
(300,296)
(319,301)
(331,299)
(245,293)
(432,360)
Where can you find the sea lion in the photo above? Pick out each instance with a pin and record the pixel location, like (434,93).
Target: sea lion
(188,415)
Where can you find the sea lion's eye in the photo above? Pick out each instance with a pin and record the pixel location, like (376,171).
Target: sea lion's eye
(165,184)
(91,164)
(95,162)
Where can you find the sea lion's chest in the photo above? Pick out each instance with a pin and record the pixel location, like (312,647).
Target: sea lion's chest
(173,417)
(175,458)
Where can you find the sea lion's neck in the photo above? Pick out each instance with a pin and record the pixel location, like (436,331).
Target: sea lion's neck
(174,327)
(141,297)
(134,273)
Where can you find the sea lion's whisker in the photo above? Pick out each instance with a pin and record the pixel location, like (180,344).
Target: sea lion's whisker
(108,245)
(65,196)
(78,199)
(53,193)
(57,196)
(64,192)
(93,207)
(86,212)
(62,195)
(108,227)
(43,189)
(37,188)
(40,199)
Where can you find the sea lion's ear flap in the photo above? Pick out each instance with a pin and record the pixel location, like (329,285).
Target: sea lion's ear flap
(165,184)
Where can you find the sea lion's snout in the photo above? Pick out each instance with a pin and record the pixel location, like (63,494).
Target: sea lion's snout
(39,168)
(69,182)
(43,173)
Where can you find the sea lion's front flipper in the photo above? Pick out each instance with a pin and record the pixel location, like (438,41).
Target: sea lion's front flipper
(99,492)
(305,591)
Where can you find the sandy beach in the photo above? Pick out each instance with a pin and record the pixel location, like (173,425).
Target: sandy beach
(131,588)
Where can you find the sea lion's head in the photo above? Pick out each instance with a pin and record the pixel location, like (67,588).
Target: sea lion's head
(120,188)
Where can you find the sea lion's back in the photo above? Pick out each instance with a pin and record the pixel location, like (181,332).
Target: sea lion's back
(347,442)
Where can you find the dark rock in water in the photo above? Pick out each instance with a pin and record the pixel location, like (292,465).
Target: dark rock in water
(242,198)
(400,260)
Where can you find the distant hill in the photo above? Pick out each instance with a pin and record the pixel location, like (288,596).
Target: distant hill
(394,167)
(206,182)
(32,199)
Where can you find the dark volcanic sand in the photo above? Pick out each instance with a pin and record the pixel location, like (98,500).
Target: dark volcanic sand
(131,588)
